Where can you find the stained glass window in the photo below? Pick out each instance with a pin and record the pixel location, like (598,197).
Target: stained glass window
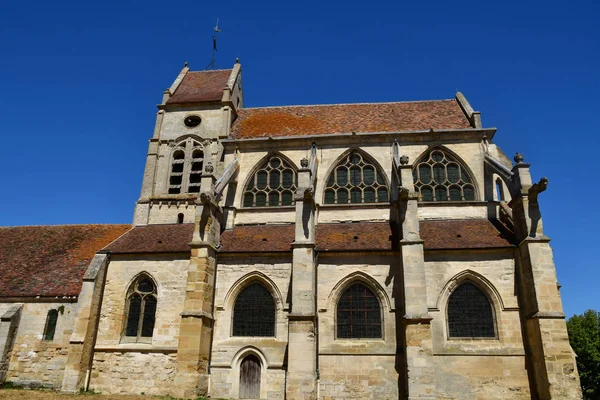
(440,178)
(470,313)
(358,313)
(141,310)
(254,312)
(355,180)
(274,184)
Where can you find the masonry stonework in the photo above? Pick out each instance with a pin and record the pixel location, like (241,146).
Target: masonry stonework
(361,225)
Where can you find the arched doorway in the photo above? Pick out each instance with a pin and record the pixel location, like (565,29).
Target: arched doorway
(250,378)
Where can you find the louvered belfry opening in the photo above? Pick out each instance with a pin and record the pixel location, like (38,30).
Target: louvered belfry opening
(254,312)
(470,313)
(250,377)
(358,313)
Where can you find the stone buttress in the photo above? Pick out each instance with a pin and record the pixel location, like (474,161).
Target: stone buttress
(301,379)
(551,361)
(415,324)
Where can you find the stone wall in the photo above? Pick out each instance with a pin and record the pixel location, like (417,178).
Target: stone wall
(170,275)
(481,378)
(139,367)
(233,274)
(358,377)
(35,362)
(133,372)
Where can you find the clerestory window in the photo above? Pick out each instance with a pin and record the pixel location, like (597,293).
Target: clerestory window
(470,313)
(356,180)
(274,184)
(358,313)
(254,312)
(140,310)
(187,162)
(439,177)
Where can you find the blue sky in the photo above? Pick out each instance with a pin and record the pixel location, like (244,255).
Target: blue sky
(80,81)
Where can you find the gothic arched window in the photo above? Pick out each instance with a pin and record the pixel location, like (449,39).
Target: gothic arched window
(50,327)
(254,312)
(358,313)
(186,167)
(439,177)
(470,313)
(274,184)
(141,310)
(356,180)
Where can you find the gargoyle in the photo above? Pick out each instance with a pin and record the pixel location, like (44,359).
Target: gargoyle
(305,194)
(308,193)
(403,193)
(206,198)
(537,188)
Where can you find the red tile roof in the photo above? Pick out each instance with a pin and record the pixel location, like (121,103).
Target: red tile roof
(201,86)
(258,238)
(347,118)
(50,261)
(170,238)
(361,236)
(358,236)
(463,234)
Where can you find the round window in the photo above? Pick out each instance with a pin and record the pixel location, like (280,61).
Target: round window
(192,121)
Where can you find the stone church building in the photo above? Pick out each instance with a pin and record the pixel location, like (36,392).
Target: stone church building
(366,251)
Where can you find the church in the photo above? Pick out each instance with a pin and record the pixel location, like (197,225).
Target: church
(365,251)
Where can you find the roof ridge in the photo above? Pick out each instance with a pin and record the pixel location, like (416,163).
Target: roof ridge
(57,225)
(213,70)
(347,104)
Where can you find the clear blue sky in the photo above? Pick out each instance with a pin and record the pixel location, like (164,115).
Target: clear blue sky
(80,81)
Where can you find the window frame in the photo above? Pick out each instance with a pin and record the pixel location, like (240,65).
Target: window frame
(449,158)
(131,291)
(265,165)
(235,302)
(48,336)
(188,146)
(344,161)
(342,292)
(491,304)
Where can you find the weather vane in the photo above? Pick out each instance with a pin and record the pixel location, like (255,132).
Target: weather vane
(211,65)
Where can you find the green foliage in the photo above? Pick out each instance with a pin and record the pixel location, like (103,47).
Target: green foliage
(584,335)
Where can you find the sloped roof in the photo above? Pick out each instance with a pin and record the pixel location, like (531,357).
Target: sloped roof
(168,238)
(201,86)
(50,261)
(347,118)
(360,236)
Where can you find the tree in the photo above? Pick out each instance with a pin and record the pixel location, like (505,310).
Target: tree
(584,336)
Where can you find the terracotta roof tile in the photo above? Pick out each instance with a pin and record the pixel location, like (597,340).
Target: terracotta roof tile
(346,118)
(258,238)
(170,238)
(361,236)
(201,86)
(50,260)
(462,234)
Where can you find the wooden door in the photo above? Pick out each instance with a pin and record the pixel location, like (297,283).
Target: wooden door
(250,378)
